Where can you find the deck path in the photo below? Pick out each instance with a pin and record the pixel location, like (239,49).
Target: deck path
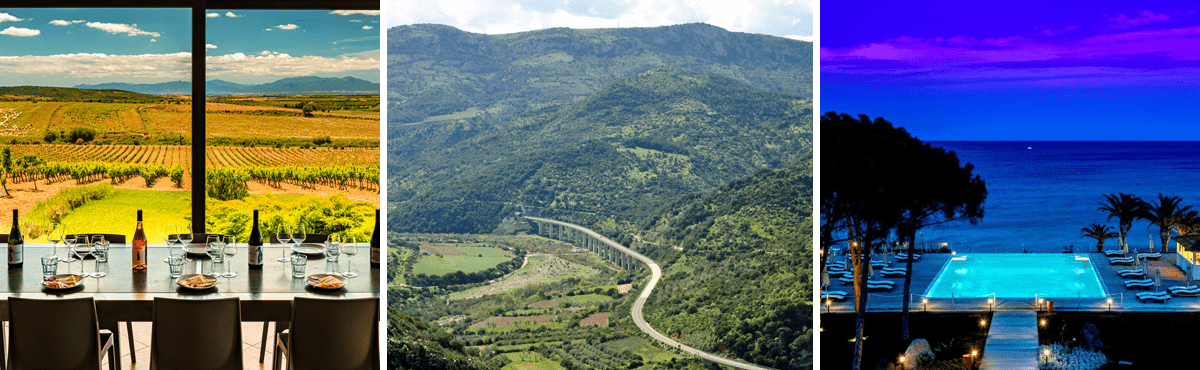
(1012,341)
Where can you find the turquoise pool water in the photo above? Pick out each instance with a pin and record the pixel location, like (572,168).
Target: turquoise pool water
(1017,276)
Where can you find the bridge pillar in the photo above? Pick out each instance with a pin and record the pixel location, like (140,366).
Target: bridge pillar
(540,228)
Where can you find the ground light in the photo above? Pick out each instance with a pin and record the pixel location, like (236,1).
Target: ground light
(1110,303)
(1043,322)
(924,304)
(982,323)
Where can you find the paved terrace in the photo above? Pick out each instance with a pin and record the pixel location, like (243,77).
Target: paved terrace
(927,269)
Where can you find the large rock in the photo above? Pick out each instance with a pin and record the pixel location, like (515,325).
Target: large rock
(918,355)
(1090,338)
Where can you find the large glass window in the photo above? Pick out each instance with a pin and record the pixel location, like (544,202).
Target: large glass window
(94,118)
(292,119)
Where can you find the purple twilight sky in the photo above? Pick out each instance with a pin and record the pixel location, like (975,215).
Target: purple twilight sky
(1033,70)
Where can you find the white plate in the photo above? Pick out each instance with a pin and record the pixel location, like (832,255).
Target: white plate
(183,277)
(78,283)
(311,249)
(314,278)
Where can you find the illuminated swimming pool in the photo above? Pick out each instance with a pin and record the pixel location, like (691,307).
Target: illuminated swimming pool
(1012,275)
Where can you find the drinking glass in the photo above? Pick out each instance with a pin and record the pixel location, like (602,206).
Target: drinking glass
(176,262)
(69,242)
(284,236)
(332,250)
(54,235)
(230,250)
(49,265)
(298,262)
(81,249)
(350,248)
(185,237)
(299,234)
(213,249)
(100,250)
(172,237)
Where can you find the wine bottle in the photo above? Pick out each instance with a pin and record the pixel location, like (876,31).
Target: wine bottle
(375,242)
(139,245)
(16,245)
(255,245)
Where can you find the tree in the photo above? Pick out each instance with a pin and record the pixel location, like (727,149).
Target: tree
(1126,208)
(1098,232)
(1165,213)
(859,194)
(6,166)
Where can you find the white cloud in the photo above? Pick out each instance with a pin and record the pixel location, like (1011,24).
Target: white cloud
(265,52)
(773,17)
(59,22)
(210,46)
(350,12)
(809,38)
(5,17)
(356,20)
(268,29)
(288,26)
(367,27)
(22,32)
(280,64)
(231,15)
(175,66)
(116,28)
(153,40)
(213,15)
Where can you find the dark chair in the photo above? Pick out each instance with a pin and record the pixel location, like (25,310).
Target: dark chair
(197,334)
(331,334)
(310,238)
(3,238)
(111,238)
(57,334)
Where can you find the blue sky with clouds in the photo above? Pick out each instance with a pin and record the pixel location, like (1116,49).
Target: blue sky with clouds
(785,18)
(66,47)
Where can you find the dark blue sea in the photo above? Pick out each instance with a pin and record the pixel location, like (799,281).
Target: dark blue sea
(1040,193)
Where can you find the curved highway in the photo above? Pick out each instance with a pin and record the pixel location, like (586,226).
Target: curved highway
(656,273)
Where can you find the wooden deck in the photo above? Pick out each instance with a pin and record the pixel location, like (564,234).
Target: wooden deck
(1012,342)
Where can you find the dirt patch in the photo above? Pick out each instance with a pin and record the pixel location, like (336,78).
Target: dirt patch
(624,288)
(511,320)
(551,268)
(596,319)
(445,250)
(550,303)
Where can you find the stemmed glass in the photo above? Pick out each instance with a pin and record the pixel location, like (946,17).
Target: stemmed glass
(298,234)
(54,234)
(81,249)
(185,237)
(172,236)
(284,236)
(332,250)
(69,230)
(99,247)
(349,248)
(230,250)
(213,249)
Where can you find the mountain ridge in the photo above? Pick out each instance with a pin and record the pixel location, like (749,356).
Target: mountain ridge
(305,85)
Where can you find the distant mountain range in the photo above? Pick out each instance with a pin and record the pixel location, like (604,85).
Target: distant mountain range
(286,86)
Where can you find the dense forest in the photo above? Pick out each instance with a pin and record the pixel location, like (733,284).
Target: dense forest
(621,153)
(413,344)
(742,283)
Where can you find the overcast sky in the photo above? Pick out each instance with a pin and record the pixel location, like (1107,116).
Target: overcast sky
(1016,70)
(66,47)
(786,18)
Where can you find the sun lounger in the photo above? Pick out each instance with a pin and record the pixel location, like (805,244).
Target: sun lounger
(836,295)
(878,264)
(1132,273)
(1121,260)
(1182,290)
(897,271)
(1150,256)
(880,286)
(1144,283)
(1113,253)
(1156,296)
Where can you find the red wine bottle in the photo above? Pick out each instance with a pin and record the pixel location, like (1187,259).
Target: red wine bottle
(255,244)
(139,245)
(16,245)
(375,242)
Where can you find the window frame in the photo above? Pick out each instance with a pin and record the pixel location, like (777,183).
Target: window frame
(199,40)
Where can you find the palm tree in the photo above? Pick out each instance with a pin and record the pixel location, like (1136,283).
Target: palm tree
(1098,232)
(1126,208)
(1166,213)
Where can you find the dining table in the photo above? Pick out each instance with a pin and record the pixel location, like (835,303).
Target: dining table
(125,295)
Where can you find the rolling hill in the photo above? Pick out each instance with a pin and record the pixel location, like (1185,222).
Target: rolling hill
(287,86)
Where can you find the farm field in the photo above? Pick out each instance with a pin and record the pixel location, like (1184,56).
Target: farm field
(542,268)
(435,265)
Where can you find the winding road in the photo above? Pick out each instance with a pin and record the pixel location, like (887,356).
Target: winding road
(656,273)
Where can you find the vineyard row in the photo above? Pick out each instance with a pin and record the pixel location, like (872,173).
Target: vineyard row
(340,176)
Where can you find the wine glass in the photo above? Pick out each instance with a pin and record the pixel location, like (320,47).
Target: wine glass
(172,236)
(332,250)
(230,250)
(185,237)
(299,234)
(69,239)
(213,250)
(284,236)
(54,235)
(99,248)
(81,249)
(349,248)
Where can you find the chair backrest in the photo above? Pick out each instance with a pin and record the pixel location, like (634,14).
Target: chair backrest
(200,334)
(331,334)
(310,238)
(111,238)
(53,334)
(3,238)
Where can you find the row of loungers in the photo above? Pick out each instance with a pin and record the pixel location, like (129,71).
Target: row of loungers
(1129,260)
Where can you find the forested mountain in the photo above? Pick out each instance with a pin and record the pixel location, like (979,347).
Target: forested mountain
(285,86)
(624,151)
(413,344)
(742,283)
(446,85)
